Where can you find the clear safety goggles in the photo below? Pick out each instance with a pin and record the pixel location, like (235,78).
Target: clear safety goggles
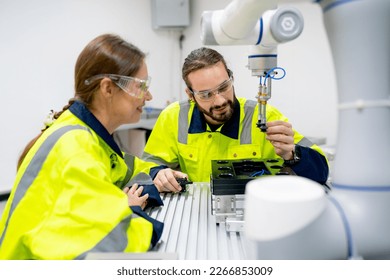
(208,95)
(132,86)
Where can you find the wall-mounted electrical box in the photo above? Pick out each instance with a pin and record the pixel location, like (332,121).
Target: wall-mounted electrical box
(170,13)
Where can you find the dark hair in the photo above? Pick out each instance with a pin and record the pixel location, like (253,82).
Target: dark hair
(199,59)
(106,54)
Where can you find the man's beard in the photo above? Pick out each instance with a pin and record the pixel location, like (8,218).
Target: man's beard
(219,118)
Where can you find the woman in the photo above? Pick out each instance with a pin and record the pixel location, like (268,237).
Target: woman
(74,186)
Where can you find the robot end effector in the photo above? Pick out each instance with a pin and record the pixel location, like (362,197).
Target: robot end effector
(248,22)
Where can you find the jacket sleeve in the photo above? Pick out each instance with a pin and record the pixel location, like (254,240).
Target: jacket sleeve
(312,165)
(157,226)
(142,178)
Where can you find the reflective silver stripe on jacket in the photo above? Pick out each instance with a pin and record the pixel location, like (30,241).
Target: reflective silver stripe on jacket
(183,122)
(129,160)
(34,168)
(115,241)
(305,142)
(246,132)
(141,178)
(149,157)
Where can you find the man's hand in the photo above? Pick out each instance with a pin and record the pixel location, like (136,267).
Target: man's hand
(165,180)
(281,136)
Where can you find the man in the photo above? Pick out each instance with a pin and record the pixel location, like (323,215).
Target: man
(214,124)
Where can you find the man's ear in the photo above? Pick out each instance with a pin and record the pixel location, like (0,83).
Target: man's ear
(189,94)
(106,87)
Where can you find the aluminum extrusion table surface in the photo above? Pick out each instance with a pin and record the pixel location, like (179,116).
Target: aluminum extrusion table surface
(190,229)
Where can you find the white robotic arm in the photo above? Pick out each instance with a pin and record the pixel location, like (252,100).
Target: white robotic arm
(353,220)
(251,22)
(240,23)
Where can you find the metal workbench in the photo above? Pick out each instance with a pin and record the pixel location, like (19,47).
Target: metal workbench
(190,230)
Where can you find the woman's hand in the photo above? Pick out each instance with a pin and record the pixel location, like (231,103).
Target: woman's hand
(134,197)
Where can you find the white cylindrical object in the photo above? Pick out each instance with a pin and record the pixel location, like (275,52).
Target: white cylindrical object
(240,16)
(366,210)
(277,206)
(359,37)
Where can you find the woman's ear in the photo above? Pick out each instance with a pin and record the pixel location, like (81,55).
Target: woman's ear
(106,87)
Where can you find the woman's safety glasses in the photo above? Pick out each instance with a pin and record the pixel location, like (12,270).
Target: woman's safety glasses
(132,86)
(208,95)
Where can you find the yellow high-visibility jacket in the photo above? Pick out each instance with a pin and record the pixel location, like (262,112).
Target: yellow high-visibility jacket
(181,139)
(67,199)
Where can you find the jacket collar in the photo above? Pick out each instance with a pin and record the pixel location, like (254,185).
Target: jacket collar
(230,128)
(81,111)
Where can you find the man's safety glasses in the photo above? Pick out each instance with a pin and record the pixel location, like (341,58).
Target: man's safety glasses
(208,95)
(132,86)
